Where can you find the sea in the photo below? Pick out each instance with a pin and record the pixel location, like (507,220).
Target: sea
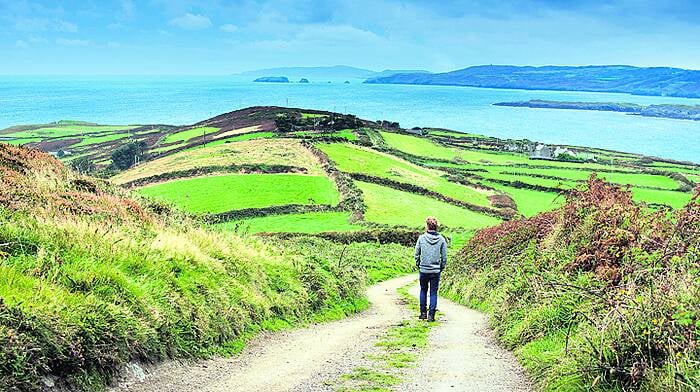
(180,100)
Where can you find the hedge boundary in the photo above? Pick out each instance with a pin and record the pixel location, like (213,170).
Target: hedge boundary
(351,197)
(204,170)
(285,209)
(383,236)
(432,194)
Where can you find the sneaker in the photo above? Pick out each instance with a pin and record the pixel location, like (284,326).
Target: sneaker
(423,315)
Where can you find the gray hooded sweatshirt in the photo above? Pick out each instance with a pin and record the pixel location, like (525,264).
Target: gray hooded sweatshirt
(431,252)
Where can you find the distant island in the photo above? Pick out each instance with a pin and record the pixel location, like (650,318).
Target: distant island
(337,72)
(272,79)
(656,81)
(303,80)
(683,112)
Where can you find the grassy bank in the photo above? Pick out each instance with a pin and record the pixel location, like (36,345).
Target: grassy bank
(601,294)
(91,279)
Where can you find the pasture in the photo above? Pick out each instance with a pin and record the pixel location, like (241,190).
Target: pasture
(221,193)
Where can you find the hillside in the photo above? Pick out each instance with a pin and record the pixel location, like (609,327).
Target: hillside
(268,217)
(660,81)
(94,278)
(601,294)
(269,169)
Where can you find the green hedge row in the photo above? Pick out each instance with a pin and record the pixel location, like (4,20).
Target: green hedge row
(426,192)
(383,236)
(247,213)
(204,170)
(350,195)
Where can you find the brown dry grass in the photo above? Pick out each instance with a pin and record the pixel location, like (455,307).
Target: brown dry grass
(238,131)
(259,151)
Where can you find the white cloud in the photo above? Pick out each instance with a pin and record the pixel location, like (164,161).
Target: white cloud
(191,22)
(68,27)
(228,28)
(73,42)
(31,24)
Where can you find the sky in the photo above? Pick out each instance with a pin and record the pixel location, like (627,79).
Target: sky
(122,37)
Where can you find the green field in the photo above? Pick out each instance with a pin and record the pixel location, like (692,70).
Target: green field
(670,198)
(222,193)
(188,134)
(240,138)
(346,134)
(313,222)
(531,202)
(394,207)
(101,139)
(67,131)
(353,159)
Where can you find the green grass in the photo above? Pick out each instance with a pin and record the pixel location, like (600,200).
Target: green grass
(68,131)
(19,142)
(346,134)
(417,146)
(101,139)
(233,139)
(237,191)
(455,134)
(353,159)
(670,198)
(394,207)
(313,222)
(399,349)
(312,115)
(188,134)
(531,202)
(546,182)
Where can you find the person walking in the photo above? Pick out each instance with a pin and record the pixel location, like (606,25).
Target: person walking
(431,259)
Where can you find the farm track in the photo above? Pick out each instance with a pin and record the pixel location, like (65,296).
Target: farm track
(462,355)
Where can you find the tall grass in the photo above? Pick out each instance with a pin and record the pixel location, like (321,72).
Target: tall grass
(91,280)
(601,294)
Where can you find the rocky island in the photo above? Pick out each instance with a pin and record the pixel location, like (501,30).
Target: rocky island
(272,79)
(683,112)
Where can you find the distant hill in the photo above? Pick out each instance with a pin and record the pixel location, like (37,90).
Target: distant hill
(659,81)
(682,112)
(318,74)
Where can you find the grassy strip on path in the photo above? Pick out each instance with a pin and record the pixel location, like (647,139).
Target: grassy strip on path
(398,351)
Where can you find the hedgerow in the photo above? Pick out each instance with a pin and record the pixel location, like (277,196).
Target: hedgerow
(602,294)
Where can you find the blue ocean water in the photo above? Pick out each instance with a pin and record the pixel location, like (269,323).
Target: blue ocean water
(185,100)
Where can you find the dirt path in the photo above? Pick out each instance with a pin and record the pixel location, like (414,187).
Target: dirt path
(462,355)
(302,359)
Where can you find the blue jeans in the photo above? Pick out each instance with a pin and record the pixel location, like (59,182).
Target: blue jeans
(428,281)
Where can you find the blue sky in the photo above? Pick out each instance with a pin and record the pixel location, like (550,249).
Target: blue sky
(224,37)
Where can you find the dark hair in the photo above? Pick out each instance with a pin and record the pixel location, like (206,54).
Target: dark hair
(431,223)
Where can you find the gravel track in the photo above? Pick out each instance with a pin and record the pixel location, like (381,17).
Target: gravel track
(462,355)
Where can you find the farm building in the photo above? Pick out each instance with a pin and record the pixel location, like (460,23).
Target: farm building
(542,151)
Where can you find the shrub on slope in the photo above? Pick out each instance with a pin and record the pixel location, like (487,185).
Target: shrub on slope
(600,294)
(90,280)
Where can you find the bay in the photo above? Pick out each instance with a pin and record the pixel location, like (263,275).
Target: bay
(181,100)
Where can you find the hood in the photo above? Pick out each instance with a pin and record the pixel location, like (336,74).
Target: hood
(432,237)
